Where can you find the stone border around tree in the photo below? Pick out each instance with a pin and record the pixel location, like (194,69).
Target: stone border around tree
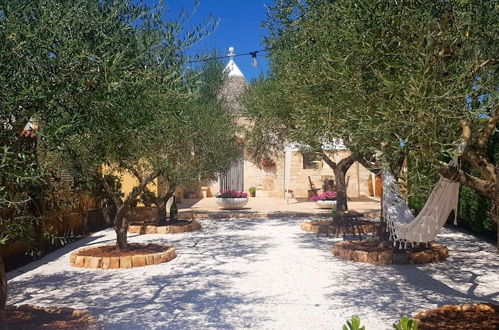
(82,316)
(153,229)
(457,311)
(312,226)
(133,261)
(434,253)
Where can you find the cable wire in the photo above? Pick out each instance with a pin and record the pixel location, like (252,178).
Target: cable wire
(252,54)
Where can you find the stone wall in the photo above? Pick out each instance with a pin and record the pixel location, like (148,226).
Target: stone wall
(269,180)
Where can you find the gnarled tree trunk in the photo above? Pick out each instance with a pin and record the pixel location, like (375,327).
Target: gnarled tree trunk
(3,294)
(495,204)
(341,190)
(162,221)
(340,169)
(120,221)
(162,201)
(121,228)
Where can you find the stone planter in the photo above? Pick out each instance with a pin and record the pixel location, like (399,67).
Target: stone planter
(77,259)
(171,229)
(231,203)
(326,204)
(370,252)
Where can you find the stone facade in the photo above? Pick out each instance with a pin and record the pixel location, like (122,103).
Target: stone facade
(268,179)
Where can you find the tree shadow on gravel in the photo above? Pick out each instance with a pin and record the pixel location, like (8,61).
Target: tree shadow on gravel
(194,291)
(465,277)
(193,299)
(87,241)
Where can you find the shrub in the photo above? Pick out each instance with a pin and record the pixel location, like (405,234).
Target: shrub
(406,323)
(232,194)
(353,324)
(474,212)
(325,196)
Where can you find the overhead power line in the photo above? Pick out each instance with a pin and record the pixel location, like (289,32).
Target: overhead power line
(231,55)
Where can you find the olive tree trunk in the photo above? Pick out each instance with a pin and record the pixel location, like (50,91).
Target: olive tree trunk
(121,228)
(340,170)
(120,221)
(162,201)
(341,190)
(495,204)
(162,213)
(3,294)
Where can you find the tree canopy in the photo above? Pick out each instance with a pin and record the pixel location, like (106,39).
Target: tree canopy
(412,79)
(105,84)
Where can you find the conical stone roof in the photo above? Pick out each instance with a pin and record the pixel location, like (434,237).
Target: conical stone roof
(234,86)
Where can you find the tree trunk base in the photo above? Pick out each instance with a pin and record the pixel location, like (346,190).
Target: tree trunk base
(3,294)
(121,236)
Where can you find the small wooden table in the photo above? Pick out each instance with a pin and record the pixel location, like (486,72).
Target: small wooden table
(347,224)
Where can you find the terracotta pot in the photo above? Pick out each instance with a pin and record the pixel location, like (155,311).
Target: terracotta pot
(379,186)
(267,162)
(327,204)
(231,203)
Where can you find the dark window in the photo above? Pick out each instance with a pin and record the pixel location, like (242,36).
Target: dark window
(310,161)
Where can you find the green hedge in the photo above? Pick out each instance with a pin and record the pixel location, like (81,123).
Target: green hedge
(474,212)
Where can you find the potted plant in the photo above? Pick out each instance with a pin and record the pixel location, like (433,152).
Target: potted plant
(231,199)
(267,162)
(326,200)
(252,191)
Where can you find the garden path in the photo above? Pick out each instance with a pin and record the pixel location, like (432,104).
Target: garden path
(262,274)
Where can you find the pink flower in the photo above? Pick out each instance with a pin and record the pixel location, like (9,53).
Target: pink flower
(325,196)
(232,194)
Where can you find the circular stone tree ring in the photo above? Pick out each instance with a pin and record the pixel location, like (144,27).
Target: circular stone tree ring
(314,226)
(370,251)
(171,229)
(107,257)
(468,316)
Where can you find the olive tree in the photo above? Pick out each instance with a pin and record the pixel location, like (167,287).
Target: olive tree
(97,77)
(148,124)
(415,78)
(205,142)
(295,102)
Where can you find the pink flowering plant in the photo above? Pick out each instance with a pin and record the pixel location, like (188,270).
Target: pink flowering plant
(232,194)
(325,196)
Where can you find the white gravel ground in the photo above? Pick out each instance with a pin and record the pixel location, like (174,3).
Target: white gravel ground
(262,274)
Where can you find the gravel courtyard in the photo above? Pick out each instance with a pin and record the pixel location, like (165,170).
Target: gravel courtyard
(257,273)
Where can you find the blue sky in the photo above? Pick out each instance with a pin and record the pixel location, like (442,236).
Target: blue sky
(239,27)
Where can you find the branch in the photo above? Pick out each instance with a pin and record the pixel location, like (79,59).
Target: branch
(346,162)
(169,193)
(480,163)
(140,188)
(488,130)
(482,187)
(466,131)
(369,165)
(134,171)
(329,161)
(490,61)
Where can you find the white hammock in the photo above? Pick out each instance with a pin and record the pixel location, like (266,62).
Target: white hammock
(400,221)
